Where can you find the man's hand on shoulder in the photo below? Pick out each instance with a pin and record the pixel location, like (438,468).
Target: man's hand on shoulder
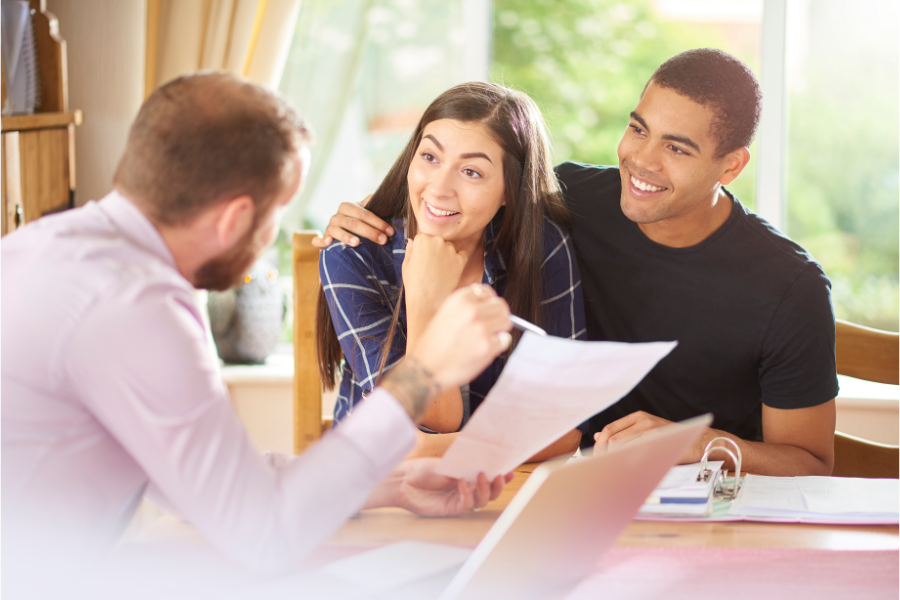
(352,222)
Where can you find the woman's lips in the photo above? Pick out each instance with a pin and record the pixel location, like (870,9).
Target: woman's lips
(438,214)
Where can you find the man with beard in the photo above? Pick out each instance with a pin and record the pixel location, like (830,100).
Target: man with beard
(109,390)
(667,253)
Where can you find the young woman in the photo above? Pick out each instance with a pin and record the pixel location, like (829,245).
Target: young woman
(473,199)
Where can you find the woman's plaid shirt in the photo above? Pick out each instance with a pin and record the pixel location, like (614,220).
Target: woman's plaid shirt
(362,284)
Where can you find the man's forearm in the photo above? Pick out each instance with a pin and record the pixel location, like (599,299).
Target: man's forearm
(386,492)
(413,386)
(767,458)
(445,413)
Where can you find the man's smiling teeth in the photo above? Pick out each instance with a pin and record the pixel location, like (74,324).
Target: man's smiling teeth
(646,187)
(438,212)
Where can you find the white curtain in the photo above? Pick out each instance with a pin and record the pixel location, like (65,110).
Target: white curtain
(250,38)
(320,79)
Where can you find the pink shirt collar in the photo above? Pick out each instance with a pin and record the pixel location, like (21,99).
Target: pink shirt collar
(135,225)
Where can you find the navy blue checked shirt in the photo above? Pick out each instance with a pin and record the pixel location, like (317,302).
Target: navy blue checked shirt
(362,284)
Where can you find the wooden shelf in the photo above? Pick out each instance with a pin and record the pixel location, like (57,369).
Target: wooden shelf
(40,121)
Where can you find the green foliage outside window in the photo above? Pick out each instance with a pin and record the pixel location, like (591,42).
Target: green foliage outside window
(843,157)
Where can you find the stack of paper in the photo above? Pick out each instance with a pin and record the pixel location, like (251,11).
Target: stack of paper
(680,492)
(549,386)
(819,499)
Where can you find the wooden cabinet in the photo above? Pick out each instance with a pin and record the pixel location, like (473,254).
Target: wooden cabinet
(38,164)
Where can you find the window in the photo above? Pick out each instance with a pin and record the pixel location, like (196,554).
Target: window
(843,150)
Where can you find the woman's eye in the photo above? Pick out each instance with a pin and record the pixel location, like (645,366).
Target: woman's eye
(428,157)
(471,173)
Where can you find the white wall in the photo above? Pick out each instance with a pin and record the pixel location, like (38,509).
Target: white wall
(106,43)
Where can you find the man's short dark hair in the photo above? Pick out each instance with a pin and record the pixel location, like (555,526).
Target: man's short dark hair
(721,82)
(205,138)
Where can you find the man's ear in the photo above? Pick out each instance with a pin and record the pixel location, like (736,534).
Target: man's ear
(734,161)
(235,220)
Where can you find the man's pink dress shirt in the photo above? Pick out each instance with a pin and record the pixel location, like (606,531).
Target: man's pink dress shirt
(108,387)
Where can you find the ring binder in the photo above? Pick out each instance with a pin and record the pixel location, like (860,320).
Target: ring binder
(799,499)
(722,490)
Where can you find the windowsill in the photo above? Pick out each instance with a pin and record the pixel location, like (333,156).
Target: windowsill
(279,369)
(864,394)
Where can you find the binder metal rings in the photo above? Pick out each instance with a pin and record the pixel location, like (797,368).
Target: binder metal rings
(723,489)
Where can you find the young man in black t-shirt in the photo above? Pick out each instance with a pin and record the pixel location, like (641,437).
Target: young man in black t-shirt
(666,253)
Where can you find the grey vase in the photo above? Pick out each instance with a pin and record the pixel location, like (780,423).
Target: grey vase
(246,321)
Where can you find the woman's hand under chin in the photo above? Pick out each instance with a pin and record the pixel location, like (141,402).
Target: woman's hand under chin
(431,271)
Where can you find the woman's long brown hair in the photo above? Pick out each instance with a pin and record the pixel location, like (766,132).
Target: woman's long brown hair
(530,189)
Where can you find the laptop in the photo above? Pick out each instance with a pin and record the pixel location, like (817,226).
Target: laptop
(566,516)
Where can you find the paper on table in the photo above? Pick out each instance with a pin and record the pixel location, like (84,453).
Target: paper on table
(396,565)
(549,386)
(761,495)
(822,497)
(837,495)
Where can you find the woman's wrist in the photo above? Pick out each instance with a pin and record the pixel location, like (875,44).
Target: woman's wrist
(414,385)
(417,318)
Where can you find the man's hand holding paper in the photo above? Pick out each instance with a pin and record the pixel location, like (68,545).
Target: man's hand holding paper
(549,386)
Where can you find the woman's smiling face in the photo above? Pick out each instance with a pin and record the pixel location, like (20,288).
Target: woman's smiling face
(456,181)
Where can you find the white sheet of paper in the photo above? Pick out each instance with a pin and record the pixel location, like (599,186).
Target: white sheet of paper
(841,498)
(549,386)
(840,495)
(396,564)
(762,495)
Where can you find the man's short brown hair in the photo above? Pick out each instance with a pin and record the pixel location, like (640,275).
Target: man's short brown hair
(205,138)
(721,82)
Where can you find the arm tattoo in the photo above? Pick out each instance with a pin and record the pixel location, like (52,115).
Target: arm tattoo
(412,385)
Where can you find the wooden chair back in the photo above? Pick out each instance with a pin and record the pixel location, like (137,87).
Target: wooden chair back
(308,422)
(856,457)
(867,353)
(872,355)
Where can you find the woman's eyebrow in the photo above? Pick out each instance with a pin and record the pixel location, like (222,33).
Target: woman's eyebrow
(434,139)
(477,155)
(466,155)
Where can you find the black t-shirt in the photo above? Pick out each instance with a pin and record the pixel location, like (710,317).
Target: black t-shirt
(750,309)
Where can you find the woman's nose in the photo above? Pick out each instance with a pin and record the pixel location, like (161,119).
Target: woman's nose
(441,183)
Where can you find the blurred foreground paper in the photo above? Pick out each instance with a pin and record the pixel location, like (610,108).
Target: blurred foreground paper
(549,386)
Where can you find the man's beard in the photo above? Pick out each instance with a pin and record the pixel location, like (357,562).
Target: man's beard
(228,270)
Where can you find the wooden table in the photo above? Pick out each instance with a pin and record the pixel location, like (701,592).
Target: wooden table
(812,564)
(382,526)
(746,548)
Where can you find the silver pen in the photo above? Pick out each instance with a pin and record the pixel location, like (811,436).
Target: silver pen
(523,325)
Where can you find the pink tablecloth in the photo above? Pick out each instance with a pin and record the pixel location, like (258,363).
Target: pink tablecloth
(743,573)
